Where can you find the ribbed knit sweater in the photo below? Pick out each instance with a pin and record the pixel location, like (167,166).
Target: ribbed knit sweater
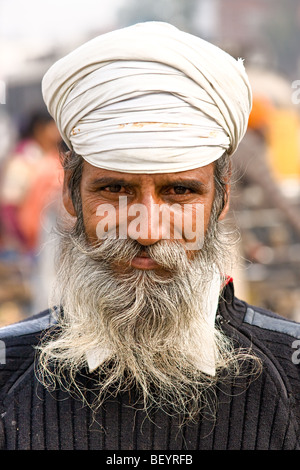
(262,414)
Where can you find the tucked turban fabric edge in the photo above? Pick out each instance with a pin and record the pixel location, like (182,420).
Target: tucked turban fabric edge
(149,98)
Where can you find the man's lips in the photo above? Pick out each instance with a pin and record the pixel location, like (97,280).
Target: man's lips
(143,261)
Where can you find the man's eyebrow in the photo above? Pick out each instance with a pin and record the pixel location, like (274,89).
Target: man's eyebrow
(194,184)
(108,180)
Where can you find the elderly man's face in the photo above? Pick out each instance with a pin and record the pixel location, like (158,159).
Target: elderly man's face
(99,187)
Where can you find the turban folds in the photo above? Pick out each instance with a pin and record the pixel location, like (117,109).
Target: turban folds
(149,98)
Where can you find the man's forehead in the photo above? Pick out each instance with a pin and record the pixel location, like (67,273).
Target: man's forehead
(93,174)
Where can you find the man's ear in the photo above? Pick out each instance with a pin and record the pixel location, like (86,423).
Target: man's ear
(226,202)
(67,199)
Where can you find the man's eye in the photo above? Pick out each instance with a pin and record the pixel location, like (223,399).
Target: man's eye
(113,188)
(181,190)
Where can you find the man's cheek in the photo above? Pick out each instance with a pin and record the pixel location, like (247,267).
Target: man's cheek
(106,221)
(90,222)
(194,226)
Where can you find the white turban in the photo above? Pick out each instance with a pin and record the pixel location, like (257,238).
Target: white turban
(149,98)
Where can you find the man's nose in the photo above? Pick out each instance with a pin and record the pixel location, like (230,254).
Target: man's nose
(144,221)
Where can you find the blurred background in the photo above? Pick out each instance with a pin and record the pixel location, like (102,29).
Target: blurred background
(266,196)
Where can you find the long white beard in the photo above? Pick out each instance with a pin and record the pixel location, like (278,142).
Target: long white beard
(205,362)
(156,331)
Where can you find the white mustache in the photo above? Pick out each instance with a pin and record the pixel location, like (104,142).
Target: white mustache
(169,255)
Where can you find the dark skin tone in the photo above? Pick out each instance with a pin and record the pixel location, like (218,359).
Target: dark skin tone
(99,186)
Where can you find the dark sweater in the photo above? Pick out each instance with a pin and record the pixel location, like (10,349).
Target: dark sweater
(264,414)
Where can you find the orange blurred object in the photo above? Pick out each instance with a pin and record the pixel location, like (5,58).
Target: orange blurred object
(261,113)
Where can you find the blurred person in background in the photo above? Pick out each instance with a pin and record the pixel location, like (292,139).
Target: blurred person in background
(29,195)
(8,135)
(147,346)
(35,152)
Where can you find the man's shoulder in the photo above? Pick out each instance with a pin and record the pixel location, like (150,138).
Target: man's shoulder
(261,322)
(268,328)
(18,343)
(28,327)
(274,338)
(277,336)
(267,321)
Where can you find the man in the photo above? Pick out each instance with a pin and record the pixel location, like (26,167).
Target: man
(146,346)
